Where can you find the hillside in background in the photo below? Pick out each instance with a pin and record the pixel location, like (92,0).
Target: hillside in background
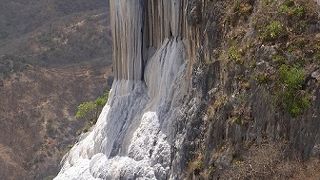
(53,55)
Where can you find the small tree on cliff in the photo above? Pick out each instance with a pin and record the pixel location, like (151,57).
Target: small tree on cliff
(92,109)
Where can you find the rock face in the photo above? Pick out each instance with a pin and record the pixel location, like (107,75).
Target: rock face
(132,138)
(184,103)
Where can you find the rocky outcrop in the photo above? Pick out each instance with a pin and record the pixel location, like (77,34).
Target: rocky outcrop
(239,112)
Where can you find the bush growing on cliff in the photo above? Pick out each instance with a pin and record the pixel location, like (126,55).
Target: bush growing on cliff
(92,108)
(292,97)
(273,31)
(262,78)
(291,9)
(85,108)
(235,55)
(292,77)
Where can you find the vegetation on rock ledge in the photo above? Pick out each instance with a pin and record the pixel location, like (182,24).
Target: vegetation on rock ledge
(292,97)
(263,98)
(91,109)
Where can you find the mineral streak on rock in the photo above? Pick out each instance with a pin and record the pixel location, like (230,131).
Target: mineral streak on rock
(127,23)
(139,25)
(132,138)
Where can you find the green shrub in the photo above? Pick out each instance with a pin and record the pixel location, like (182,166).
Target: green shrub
(102,100)
(292,77)
(92,107)
(262,78)
(234,54)
(291,9)
(91,110)
(294,100)
(296,104)
(85,108)
(273,31)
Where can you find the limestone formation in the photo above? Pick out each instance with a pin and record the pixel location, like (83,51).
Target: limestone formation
(131,138)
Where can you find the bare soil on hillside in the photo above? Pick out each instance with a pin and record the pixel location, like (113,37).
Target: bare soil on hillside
(53,55)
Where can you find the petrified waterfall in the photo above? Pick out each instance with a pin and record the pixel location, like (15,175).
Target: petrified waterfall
(133,135)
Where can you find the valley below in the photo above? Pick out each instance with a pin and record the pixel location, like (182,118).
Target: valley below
(37,116)
(53,56)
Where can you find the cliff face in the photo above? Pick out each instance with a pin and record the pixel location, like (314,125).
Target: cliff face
(199,85)
(255,122)
(133,137)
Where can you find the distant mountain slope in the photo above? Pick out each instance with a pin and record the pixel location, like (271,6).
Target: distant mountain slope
(54,54)
(20,17)
(52,33)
